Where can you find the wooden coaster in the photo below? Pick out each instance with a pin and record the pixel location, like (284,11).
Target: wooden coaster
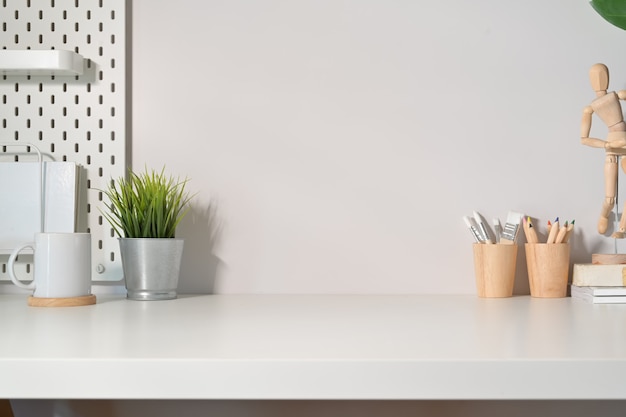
(62,302)
(608,258)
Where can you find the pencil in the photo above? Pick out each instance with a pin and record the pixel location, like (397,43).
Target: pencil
(570,228)
(525,228)
(531,237)
(561,235)
(554,230)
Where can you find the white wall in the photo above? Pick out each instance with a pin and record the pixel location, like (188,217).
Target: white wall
(339,143)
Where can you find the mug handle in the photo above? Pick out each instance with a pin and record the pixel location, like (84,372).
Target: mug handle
(11,270)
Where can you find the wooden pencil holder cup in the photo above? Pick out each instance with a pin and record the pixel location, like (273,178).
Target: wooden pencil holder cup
(548,269)
(494,268)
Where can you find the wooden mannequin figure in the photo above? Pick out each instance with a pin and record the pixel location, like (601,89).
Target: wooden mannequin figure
(607,106)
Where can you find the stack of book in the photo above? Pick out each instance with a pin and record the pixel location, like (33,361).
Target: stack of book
(599,284)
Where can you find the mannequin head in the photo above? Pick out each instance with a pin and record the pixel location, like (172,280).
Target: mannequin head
(599,77)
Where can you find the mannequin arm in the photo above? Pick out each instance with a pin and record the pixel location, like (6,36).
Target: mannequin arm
(585,129)
(585,124)
(593,142)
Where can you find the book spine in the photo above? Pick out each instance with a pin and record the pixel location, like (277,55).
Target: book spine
(598,291)
(587,275)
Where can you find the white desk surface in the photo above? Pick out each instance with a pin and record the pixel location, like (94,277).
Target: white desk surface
(314,347)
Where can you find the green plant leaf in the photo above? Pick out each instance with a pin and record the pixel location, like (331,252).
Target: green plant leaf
(149,204)
(613,11)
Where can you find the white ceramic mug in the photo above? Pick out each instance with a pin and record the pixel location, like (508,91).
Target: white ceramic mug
(62,265)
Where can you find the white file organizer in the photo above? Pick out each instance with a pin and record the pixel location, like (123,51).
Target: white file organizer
(21,206)
(37,196)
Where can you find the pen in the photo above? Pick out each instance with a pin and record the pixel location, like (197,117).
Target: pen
(483,229)
(470,225)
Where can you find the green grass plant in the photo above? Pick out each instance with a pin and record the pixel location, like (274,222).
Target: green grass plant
(146,205)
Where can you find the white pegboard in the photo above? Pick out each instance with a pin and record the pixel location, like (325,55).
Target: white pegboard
(72,118)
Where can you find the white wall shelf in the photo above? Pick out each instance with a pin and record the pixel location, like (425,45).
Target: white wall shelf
(40,62)
(314,347)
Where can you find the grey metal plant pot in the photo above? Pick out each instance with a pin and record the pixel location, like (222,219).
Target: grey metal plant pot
(151,267)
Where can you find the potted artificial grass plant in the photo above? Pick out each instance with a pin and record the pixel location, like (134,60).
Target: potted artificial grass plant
(144,210)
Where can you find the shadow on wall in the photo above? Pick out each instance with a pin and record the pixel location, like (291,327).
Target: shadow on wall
(201,230)
(521,285)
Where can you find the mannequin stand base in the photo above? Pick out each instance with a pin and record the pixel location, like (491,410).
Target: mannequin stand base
(608,258)
(62,302)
